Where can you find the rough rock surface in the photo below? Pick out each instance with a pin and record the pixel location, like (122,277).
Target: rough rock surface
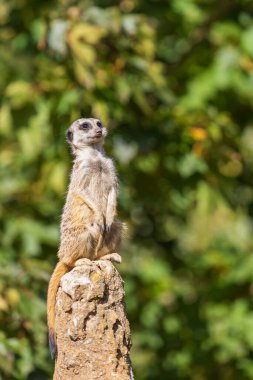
(93,335)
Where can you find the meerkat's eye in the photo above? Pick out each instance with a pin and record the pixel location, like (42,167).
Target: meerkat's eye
(99,124)
(84,126)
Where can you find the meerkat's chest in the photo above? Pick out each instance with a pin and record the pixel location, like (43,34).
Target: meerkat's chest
(101,172)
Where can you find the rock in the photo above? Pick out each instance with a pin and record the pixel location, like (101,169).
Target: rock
(93,334)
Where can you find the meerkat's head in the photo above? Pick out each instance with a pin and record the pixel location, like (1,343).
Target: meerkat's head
(85,132)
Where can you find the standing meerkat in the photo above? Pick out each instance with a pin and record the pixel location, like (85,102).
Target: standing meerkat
(89,226)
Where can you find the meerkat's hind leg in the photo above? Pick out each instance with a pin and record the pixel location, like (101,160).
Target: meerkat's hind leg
(83,261)
(115,257)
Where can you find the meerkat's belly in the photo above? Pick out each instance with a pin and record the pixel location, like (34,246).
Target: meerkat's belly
(100,188)
(100,183)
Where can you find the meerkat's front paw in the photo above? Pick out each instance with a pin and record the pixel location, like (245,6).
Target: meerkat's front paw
(115,257)
(97,227)
(83,261)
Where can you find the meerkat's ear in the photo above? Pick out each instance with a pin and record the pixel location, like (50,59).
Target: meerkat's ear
(69,136)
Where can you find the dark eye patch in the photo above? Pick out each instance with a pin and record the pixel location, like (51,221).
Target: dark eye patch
(99,124)
(69,136)
(84,125)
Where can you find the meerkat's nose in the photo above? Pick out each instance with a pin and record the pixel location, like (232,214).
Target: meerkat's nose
(99,132)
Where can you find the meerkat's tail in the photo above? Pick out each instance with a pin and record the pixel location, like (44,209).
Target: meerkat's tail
(54,282)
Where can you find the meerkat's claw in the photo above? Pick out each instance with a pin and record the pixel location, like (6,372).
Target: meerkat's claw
(83,261)
(115,257)
(102,229)
(107,228)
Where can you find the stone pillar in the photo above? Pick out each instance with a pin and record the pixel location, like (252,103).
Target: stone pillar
(93,335)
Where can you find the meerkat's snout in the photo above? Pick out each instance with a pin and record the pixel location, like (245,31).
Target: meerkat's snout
(99,132)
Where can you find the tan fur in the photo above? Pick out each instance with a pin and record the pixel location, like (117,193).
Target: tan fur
(89,227)
(59,271)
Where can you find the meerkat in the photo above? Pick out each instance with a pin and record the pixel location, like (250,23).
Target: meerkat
(89,225)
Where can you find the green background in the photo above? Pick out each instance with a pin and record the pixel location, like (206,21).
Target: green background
(173,80)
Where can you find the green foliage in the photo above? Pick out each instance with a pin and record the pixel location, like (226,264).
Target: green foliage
(173,81)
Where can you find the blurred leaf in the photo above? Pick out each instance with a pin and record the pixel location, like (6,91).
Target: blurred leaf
(247,41)
(191,164)
(19,93)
